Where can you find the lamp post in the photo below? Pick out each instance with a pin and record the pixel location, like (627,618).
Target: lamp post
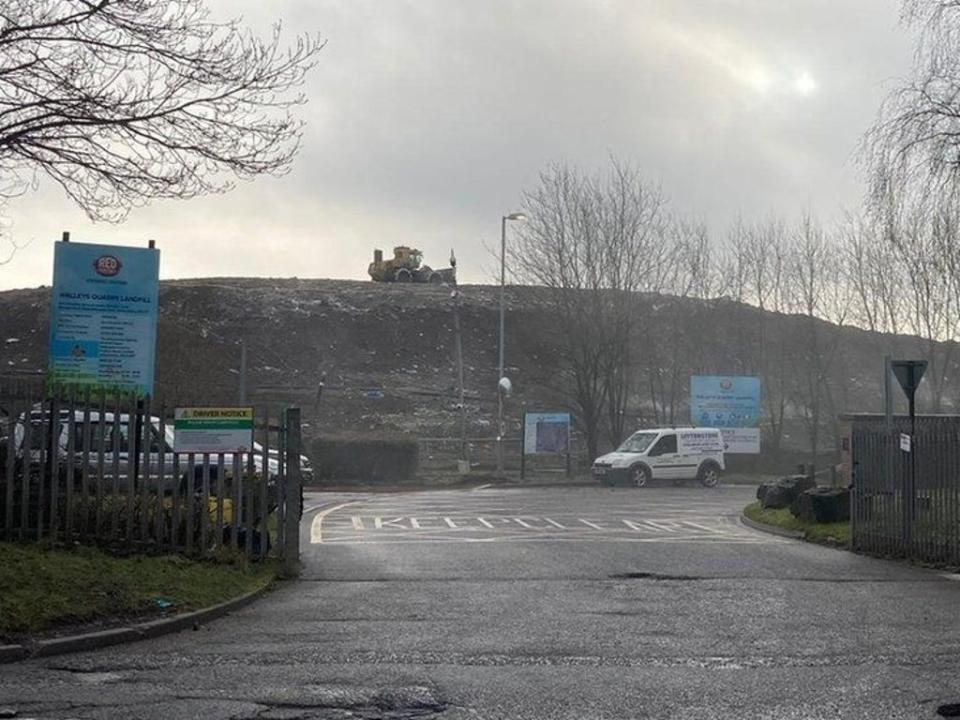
(501,386)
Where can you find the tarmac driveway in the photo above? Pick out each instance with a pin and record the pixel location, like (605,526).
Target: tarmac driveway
(540,603)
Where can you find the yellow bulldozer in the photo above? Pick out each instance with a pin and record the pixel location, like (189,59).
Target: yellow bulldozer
(406,266)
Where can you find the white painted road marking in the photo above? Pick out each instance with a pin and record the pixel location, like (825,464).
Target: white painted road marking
(316,527)
(426,527)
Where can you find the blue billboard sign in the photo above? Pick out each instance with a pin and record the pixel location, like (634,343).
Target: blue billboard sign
(103,317)
(546,433)
(731,404)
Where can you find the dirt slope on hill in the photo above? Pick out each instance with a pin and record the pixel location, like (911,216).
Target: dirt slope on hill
(388,351)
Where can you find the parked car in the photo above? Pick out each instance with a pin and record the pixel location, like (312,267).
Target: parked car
(306,467)
(677,454)
(117,456)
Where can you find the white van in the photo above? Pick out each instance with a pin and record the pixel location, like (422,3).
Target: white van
(664,454)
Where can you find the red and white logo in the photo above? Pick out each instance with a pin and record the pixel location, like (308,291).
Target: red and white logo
(107,265)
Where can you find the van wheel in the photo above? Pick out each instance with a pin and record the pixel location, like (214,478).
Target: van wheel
(639,476)
(709,475)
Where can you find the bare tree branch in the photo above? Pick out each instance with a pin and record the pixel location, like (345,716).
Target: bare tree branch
(125,101)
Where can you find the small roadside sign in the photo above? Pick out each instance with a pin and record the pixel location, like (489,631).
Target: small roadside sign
(213,430)
(908,374)
(905,442)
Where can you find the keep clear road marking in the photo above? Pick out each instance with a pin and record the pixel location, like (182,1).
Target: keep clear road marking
(316,527)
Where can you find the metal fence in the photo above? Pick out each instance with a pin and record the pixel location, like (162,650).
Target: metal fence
(100,469)
(441,454)
(907,504)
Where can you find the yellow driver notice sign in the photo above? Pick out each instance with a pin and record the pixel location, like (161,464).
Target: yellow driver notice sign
(213,430)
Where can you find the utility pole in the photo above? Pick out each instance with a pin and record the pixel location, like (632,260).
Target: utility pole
(458,340)
(243,372)
(500,368)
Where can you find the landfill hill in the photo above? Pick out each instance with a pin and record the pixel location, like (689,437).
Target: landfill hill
(387,351)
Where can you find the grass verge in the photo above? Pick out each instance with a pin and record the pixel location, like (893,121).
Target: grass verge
(823,533)
(44,590)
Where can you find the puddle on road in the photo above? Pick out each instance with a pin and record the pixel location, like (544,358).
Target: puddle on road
(655,576)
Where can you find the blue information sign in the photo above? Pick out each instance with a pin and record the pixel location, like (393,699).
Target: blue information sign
(731,404)
(546,433)
(103,317)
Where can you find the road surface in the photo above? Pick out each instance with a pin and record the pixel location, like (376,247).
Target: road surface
(540,603)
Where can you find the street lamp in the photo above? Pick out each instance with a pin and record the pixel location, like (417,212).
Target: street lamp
(502,386)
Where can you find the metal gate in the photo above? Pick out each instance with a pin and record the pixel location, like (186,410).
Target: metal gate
(100,469)
(907,503)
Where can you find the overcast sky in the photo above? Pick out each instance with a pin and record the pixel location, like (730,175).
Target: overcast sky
(426,119)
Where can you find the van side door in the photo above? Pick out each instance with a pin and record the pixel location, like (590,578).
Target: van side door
(664,457)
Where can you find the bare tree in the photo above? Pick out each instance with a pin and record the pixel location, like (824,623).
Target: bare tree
(818,292)
(124,101)
(764,247)
(915,141)
(595,242)
(918,241)
(668,354)
(874,273)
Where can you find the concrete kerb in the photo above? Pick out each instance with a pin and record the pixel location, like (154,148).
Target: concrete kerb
(132,633)
(773,529)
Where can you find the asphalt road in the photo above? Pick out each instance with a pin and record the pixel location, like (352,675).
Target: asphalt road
(540,603)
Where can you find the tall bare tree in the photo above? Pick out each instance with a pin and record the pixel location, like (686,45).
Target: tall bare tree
(818,292)
(764,247)
(915,141)
(874,273)
(594,242)
(124,101)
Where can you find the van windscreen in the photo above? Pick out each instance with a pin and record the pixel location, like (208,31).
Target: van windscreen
(638,442)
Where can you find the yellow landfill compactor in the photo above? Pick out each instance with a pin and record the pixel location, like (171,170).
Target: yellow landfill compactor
(405,267)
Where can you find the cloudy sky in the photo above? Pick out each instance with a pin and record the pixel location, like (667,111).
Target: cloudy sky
(426,119)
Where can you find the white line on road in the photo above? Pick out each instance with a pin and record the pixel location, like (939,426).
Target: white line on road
(521,523)
(316,527)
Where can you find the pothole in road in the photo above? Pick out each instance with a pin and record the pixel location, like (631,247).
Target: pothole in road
(951,710)
(653,576)
(346,703)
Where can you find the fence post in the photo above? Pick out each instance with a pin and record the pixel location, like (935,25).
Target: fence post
(291,549)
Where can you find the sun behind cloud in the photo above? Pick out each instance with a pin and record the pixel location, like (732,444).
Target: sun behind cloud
(805,84)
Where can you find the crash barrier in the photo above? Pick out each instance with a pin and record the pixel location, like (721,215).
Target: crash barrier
(99,468)
(905,490)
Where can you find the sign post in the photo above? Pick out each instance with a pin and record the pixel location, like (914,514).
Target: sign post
(103,317)
(909,373)
(545,434)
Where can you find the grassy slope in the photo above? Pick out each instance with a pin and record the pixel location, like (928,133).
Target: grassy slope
(826,533)
(41,589)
